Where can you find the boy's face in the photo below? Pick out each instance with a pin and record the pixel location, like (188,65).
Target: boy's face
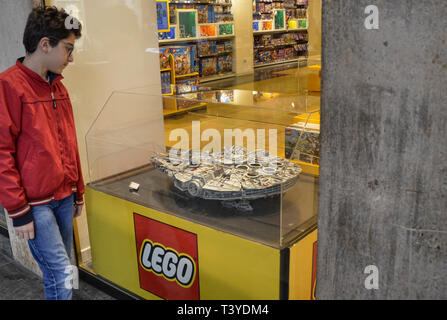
(60,56)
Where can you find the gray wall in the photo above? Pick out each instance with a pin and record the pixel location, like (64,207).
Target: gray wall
(383,183)
(13,14)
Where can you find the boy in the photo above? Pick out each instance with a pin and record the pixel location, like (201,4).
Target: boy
(41,184)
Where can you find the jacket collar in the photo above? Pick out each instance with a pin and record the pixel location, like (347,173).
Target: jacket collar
(52,76)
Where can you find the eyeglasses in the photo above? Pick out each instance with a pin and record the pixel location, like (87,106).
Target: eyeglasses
(68,46)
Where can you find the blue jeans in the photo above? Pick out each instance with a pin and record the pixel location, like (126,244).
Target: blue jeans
(51,247)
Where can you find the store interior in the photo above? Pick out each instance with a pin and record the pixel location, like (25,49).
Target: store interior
(230,64)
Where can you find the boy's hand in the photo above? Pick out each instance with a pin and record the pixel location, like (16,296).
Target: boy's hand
(78,211)
(25,232)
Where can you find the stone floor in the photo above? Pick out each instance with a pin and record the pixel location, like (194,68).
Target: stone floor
(18,283)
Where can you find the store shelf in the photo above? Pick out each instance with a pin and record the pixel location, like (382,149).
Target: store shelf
(280,45)
(195,74)
(297,38)
(279,31)
(194,39)
(202,3)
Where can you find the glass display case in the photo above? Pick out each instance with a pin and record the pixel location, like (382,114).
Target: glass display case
(216,173)
(121,144)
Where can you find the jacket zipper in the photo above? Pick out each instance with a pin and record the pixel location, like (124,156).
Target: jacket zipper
(54,100)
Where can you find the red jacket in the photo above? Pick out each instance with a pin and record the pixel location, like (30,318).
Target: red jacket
(39,158)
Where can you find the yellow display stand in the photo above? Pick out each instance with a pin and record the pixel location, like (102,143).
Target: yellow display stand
(224,266)
(301,267)
(314,79)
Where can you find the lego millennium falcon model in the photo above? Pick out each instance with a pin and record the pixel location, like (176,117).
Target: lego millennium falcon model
(232,176)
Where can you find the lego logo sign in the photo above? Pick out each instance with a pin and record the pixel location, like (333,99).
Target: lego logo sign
(167,263)
(167,260)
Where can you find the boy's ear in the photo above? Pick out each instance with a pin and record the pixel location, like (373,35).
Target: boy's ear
(44,44)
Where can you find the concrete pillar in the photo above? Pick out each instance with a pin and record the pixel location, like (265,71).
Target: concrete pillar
(13,15)
(383,183)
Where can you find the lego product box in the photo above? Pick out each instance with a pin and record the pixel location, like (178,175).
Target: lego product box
(302,142)
(225,64)
(206,14)
(206,48)
(267,25)
(226,29)
(167,35)
(185,86)
(184,59)
(228,45)
(166,82)
(164,58)
(302,24)
(208,66)
(208,30)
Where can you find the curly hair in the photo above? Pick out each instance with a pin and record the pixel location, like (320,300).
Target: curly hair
(49,22)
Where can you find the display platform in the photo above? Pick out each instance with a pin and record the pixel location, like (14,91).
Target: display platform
(264,224)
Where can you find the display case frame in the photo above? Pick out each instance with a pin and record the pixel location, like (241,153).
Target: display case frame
(259,238)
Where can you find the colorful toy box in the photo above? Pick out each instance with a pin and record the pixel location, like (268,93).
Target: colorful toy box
(167,35)
(187,85)
(164,58)
(267,25)
(206,48)
(166,82)
(226,29)
(206,14)
(208,66)
(225,64)
(184,59)
(302,142)
(208,30)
